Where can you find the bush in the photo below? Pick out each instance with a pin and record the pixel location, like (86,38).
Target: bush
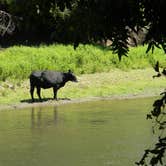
(18,62)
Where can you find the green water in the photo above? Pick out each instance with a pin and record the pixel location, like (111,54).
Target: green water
(98,133)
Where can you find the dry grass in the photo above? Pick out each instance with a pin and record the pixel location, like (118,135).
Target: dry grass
(115,83)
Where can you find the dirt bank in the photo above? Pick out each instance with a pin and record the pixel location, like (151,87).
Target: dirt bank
(115,84)
(71,101)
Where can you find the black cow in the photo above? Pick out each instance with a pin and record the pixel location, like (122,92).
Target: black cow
(49,79)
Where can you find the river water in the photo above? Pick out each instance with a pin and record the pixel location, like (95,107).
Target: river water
(97,133)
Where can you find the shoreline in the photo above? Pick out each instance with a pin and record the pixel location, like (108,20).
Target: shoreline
(19,106)
(113,85)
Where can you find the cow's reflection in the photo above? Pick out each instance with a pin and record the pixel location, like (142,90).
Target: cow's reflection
(42,118)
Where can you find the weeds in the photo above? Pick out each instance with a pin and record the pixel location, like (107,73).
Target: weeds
(18,62)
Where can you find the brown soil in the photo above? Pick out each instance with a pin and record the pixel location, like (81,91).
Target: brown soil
(72,101)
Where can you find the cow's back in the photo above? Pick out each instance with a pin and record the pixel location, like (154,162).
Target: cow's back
(52,77)
(36,74)
(35,78)
(47,79)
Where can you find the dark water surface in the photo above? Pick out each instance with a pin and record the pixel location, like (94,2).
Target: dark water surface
(98,133)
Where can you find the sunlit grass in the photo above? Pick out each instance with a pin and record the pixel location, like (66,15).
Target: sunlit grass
(99,70)
(17,62)
(115,83)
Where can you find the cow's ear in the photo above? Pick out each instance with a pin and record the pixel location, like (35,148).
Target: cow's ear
(69,71)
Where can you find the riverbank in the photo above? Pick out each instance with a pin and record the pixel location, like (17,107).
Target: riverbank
(71,101)
(116,84)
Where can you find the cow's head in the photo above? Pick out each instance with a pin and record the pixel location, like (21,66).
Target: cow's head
(71,76)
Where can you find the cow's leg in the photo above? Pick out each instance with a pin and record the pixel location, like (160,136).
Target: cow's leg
(55,93)
(31,92)
(38,92)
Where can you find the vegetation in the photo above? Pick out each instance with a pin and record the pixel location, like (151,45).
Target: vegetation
(99,70)
(86,21)
(155,155)
(115,83)
(18,62)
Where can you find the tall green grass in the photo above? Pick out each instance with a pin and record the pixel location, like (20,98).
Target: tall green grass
(17,62)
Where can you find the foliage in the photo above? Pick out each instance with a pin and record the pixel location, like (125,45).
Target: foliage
(156,155)
(113,84)
(88,21)
(18,61)
(158,114)
(6,23)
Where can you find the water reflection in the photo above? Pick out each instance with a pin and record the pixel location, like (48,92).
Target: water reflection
(42,117)
(97,122)
(90,134)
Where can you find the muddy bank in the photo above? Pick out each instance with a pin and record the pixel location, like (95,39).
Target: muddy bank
(51,102)
(116,84)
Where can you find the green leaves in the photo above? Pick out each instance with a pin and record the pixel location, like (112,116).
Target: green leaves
(155,156)
(120,48)
(66,21)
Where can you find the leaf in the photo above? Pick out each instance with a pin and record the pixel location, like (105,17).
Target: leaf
(155,151)
(164,47)
(149,47)
(157,45)
(153,161)
(156,67)
(152,48)
(149,116)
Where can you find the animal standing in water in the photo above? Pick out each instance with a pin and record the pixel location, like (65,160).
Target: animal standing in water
(49,79)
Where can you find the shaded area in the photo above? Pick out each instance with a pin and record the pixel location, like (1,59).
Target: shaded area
(86,21)
(42,100)
(156,155)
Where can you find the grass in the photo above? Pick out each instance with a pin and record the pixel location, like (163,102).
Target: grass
(99,70)
(111,84)
(18,61)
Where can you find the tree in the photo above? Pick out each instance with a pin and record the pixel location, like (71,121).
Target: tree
(156,155)
(94,20)
(88,21)
(6,23)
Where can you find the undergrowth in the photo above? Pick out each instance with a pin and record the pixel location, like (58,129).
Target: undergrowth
(18,62)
